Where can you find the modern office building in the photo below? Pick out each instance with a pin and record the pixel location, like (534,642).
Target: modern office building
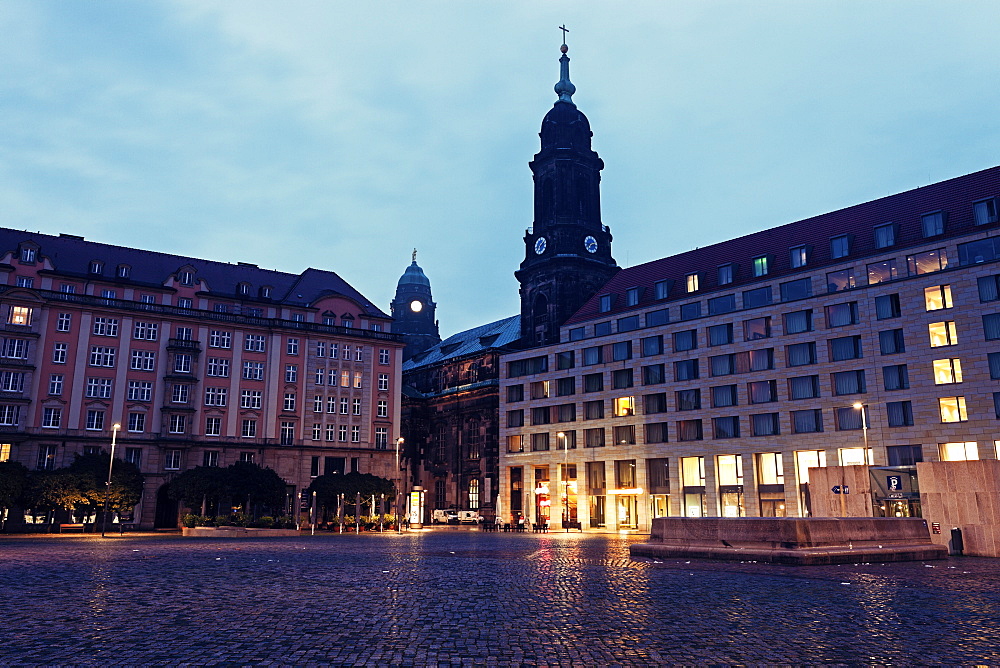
(199,362)
(709,383)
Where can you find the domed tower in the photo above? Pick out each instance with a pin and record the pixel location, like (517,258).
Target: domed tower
(413,310)
(567,252)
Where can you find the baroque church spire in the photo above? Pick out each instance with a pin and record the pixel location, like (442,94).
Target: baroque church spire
(568,248)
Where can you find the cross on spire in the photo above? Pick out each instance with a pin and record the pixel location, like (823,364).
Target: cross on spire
(564,31)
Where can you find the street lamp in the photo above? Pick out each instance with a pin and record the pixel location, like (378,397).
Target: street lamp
(565,481)
(400,495)
(864,426)
(107,486)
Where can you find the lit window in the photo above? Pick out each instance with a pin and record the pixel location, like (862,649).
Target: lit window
(958,452)
(947,371)
(840,280)
(943,333)
(624,406)
(937,297)
(855,456)
(953,409)
(927,262)
(20,315)
(799,256)
(692,282)
(760,266)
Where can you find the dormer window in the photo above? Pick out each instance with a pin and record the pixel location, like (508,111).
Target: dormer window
(28,255)
(726,272)
(186,277)
(243,289)
(124,271)
(885,236)
(662,289)
(96,267)
(760,266)
(265,292)
(606,302)
(840,246)
(347,321)
(329,319)
(798,256)
(985,212)
(692,282)
(932,224)
(632,296)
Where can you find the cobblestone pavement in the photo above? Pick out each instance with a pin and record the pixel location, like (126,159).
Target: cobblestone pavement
(471,598)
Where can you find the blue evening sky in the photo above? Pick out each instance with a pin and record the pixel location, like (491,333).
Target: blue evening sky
(340,135)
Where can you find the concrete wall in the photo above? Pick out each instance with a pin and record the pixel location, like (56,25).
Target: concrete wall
(858,503)
(966,495)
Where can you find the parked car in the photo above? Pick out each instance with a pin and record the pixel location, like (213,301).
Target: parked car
(449,516)
(469,517)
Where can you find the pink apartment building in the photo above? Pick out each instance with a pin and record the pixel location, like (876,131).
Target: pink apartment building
(199,362)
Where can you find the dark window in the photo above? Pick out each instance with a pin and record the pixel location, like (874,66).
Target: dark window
(652,345)
(625,434)
(904,455)
(991,326)
(688,400)
(797,322)
(809,421)
(565,360)
(540,415)
(515,418)
(845,348)
(887,306)
(989,288)
(685,370)
(654,403)
(974,252)
(653,374)
(723,395)
(840,246)
(723,304)
(685,340)
(593,382)
(621,379)
(566,386)
(593,410)
(577,333)
(757,328)
(726,427)
(656,432)
(765,424)
(895,377)
(593,438)
(689,430)
(885,235)
(722,365)
(690,311)
(762,391)
(602,328)
(606,302)
(719,335)
(932,224)
(800,354)
(798,289)
(994,362)
(803,387)
(757,297)
(628,324)
(848,382)
(621,351)
(515,393)
(660,317)
(839,315)
(890,341)
(593,355)
(899,414)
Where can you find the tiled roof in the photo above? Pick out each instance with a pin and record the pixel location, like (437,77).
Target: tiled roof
(71,256)
(470,342)
(954,196)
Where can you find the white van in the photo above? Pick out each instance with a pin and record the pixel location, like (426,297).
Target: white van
(469,517)
(449,516)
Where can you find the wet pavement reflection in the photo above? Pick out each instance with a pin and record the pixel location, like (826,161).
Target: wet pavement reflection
(472,598)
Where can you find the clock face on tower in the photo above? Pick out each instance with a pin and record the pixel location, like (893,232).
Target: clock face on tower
(416,306)
(540,245)
(590,243)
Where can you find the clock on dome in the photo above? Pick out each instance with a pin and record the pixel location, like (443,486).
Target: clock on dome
(416,306)
(540,245)
(590,243)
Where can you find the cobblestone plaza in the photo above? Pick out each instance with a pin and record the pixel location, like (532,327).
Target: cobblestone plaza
(455,597)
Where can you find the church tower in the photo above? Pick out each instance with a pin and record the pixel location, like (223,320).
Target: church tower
(413,310)
(567,252)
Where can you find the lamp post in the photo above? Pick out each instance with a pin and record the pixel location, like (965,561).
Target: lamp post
(399,492)
(107,485)
(864,426)
(565,481)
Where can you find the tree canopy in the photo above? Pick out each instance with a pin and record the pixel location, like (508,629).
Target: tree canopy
(13,483)
(234,485)
(328,487)
(126,481)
